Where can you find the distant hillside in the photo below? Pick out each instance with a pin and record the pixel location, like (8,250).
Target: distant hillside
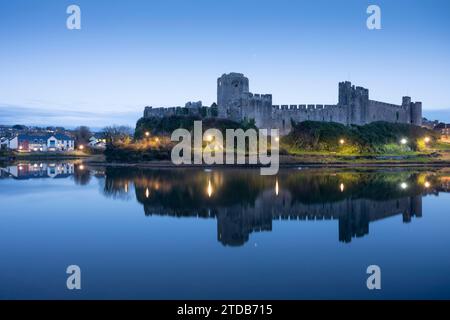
(376,137)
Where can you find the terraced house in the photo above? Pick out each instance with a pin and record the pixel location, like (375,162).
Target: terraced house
(36,142)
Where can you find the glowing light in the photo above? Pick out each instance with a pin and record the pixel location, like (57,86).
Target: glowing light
(20,147)
(342,141)
(277,188)
(147,193)
(156,139)
(20,168)
(404,185)
(35,165)
(404,141)
(126,187)
(342,187)
(427,184)
(81,167)
(277,139)
(209,138)
(81,147)
(210,189)
(427,139)
(147,134)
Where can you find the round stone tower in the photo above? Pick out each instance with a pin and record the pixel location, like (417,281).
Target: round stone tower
(230,87)
(416,113)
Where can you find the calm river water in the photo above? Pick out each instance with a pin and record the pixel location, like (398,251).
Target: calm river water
(223,234)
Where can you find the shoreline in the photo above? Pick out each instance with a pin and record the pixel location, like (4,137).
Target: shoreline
(170,165)
(285,162)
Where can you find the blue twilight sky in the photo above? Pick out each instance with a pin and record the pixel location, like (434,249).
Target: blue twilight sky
(130,54)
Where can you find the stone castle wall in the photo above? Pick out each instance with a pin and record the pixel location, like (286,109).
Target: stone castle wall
(236,102)
(354,107)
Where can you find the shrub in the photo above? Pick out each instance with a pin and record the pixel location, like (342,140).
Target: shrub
(376,137)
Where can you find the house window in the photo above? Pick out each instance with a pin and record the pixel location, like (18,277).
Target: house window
(52,143)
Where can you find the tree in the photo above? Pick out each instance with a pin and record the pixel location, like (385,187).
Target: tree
(82,135)
(214,110)
(117,133)
(19,127)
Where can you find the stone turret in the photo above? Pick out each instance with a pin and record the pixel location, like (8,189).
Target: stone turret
(406,101)
(356,101)
(230,88)
(414,110)
(345,90)
(416,113)
(237,103)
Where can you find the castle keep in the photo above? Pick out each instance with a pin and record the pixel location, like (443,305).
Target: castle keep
(236,102)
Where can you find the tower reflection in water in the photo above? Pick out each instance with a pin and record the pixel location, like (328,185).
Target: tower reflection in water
(244,202)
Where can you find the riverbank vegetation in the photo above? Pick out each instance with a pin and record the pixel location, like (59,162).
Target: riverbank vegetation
(309,141)
(165,126)
(152,137)
(376,138)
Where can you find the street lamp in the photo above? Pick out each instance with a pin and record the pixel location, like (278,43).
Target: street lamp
(427,139)
(147,134)
(81,147)
(342,141)
(404,141)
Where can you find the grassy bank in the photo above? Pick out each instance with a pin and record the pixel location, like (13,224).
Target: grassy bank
(36,156)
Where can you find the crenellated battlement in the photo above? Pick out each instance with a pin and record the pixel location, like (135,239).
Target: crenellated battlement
(190,108)
(237,103)
(304,107)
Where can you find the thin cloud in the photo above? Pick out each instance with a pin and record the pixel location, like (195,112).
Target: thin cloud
(11,114)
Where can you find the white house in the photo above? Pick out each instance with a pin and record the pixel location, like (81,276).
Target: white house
(34,142)
(39,170)
(95,142)
(4,143)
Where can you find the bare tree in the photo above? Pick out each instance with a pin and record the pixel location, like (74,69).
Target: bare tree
(117,133)
(82,135)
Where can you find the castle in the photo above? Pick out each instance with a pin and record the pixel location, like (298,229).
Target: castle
(237,103)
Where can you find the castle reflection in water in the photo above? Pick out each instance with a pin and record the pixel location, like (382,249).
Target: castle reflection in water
(244,202)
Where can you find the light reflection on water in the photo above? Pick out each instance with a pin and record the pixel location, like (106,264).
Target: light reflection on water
(252,236)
